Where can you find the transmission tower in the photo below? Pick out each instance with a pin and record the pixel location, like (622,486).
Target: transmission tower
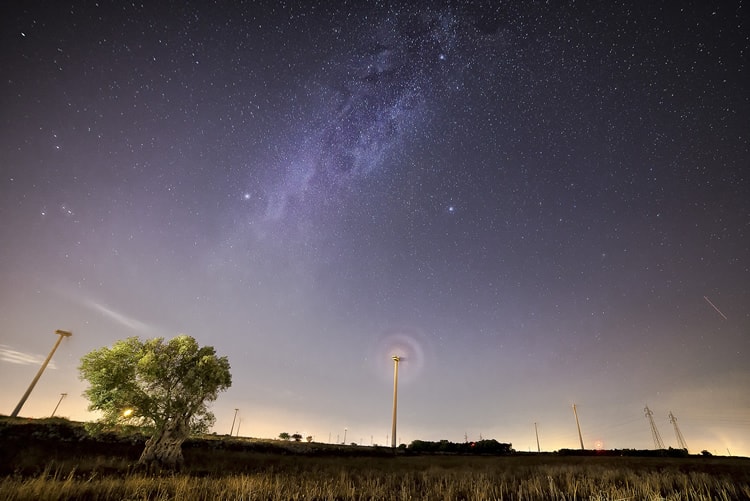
(658,444)
(677,432)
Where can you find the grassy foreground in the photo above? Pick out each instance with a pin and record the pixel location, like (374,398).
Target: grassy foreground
(400,478)
(57,461)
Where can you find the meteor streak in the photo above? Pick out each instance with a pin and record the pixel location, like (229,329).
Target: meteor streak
(715,308)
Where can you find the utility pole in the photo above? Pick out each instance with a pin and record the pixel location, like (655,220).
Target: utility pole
(396,360)
(60,333)
(580,437)
(677,432)
(62,395)
(658,444)
(538,449)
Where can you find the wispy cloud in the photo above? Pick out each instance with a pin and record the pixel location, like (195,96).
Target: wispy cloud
(125,320)
(8,354)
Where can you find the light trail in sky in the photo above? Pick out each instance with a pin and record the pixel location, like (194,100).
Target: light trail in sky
(715,308)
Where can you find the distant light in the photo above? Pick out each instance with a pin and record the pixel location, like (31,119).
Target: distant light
(127,412)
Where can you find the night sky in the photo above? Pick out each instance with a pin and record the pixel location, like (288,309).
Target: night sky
(535,204)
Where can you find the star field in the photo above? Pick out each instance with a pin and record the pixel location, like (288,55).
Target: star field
(535,204)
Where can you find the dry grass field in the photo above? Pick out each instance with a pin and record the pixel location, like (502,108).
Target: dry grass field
(227,469)
(401,478)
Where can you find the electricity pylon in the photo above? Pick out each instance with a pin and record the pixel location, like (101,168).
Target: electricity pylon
(677,432)
(658,444)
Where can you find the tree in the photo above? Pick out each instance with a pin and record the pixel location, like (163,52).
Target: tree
(164,386)
(296,437)
(284,435)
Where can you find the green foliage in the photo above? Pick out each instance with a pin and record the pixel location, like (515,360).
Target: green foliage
(159,381)
(296,437)
(491,446)
(284,435)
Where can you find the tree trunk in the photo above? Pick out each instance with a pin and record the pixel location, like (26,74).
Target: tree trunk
(164,449)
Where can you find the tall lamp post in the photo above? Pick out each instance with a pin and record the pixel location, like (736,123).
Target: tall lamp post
(580,437)
(233,419)
(61,335)
(62,395)
(396,360)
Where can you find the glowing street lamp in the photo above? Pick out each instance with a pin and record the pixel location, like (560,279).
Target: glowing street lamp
(60,333)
